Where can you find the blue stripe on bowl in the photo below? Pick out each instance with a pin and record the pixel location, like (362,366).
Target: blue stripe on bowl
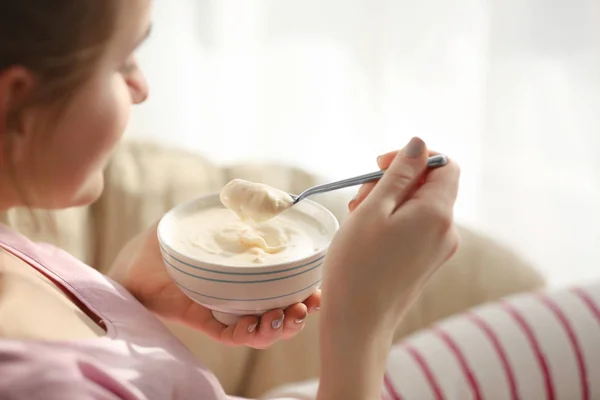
(261,299)
(238,273)
(245,282)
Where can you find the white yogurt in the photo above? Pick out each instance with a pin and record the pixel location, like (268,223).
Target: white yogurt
(217,235)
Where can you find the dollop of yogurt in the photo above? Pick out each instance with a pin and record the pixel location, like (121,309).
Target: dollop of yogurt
(255,201)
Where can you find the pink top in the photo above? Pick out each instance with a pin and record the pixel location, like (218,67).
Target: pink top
(137,359)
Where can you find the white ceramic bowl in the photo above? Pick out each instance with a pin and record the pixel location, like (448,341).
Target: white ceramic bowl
(235,291)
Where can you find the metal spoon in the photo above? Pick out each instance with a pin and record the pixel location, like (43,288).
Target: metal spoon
(433,162)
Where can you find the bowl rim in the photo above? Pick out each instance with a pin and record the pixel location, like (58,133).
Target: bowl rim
(248,269)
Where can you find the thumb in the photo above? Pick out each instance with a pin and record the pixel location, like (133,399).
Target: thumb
(402,177)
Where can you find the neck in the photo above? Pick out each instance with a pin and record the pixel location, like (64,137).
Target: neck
(8,195)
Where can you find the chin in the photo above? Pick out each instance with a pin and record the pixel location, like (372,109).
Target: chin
(89,193)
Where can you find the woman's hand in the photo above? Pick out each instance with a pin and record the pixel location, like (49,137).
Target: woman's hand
(399,233)
(140,269)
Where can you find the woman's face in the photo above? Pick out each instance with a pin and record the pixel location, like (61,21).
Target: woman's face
(62,165)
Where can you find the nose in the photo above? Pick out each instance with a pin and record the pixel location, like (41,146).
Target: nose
(138,85)
(139,89)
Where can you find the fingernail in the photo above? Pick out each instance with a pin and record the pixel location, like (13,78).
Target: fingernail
(277,323)
(379,160)
(252,328)
(315,309)
(415,148)
(299,321)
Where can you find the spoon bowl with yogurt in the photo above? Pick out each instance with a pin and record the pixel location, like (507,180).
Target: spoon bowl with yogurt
(260,202)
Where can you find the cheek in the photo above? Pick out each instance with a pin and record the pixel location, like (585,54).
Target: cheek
(92,127)
(63,163)
(102,119)
(112,112)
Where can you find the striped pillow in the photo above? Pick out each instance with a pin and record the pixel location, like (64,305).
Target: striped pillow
(534,346)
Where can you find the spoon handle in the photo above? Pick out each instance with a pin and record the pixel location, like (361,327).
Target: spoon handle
(433,162)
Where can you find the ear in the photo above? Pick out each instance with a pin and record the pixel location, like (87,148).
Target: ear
(17,86)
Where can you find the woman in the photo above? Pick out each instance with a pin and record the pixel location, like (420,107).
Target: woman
(68,78)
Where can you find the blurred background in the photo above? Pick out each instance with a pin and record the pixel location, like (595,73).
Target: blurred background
(508,88)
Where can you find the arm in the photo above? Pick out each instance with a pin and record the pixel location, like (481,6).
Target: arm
(354,355)
(353,365)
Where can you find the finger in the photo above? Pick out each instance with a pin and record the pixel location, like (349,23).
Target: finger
(313,303)
(202,319)
(352,204)
(401,177)
(362,194)
(440,187)
(226,335)
(245,331)
(385,160)
(270,328)
(295,317)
